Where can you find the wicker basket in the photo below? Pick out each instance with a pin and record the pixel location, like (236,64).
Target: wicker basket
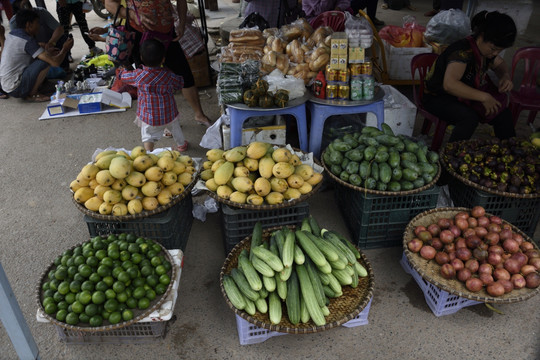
(429,270)
(342,309)
(138,314)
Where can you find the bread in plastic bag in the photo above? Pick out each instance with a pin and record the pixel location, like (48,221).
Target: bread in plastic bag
(448,26)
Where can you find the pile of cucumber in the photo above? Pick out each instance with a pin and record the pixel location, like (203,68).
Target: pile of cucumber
(379,160)
(303,268)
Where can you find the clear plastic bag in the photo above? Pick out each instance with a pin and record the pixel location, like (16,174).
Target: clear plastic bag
(358,31)
(448,26)
(276,81)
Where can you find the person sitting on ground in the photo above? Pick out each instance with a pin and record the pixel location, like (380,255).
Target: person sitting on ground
(397,5)
(51,34)
(371,9)
(458,89)
(313,8)
(156,109)
(24,64)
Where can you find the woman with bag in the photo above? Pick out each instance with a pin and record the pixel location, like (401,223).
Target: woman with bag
(153,19)
(458,89)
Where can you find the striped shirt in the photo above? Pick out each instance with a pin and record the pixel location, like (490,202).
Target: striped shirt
(155,92)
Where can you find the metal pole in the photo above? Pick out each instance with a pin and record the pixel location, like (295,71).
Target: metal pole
(14,322)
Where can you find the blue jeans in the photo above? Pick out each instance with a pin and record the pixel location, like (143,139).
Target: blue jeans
(28,79)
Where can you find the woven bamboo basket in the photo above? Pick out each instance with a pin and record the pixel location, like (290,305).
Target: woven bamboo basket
(138,314)
(430,270)
(378,192)
(342,309)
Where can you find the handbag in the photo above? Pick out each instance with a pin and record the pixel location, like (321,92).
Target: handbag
(120,40)
(485,85)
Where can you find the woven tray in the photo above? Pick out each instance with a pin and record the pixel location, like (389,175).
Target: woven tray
(144,213)
(429,270)
(378,192)
(342,309)
(137,314)
(480,187)
(284,204)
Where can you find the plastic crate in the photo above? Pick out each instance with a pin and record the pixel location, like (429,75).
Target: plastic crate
(439,301)
(147,330)
(238,223)
(376,221)
(251,334)
(522,213)
(170,228)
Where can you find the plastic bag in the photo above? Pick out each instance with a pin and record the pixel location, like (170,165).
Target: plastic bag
(255,20)
(402,37)
(295,86)
(448,26)
(358,31)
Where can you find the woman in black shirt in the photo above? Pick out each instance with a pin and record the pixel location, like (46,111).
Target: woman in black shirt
(458,89)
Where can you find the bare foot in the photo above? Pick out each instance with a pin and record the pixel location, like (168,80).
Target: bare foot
(203,120)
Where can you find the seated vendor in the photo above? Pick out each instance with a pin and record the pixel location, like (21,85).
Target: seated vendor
(24,63)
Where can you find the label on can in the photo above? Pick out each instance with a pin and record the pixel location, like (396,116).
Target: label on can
(356,89)
(367,69)
(343,76)
(331,74)
(331,92)
(343,92)
(368,88)
(356,69)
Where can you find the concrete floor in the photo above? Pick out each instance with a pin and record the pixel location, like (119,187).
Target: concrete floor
(39,221)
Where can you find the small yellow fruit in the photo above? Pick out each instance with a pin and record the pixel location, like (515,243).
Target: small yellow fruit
(154,173)
(257,149)
(112,196)
(274,198)
(120,167)
(166,163)
(134,206)
(305,188)
(83,194)
(295,181)
(211,185)
(207,174)
(242,184)
(191,169)
(214,154)
(217,164)
(151,188)
(262,186)
(224,191)
(74,185)
(241,171)
(305,171)
(100,190)
(136,179)
(207,165)
(119,209)
(105,209)
(291,193)
(119,184)
(176,188)
(295,160)
(238,197)
(82,180)
(278,185)
(251,164)
(104,153)
(282,155)
(186,159)
(282,170)
(185,178)
(142,162)
(169,178)
(154,158)
(123,154)
(179,167)
(129,192)
(92,184)
(315,179)
(93,203)
(255,199)
(105,178)
(89,171)
(164,197)
(137,151)
(149,203)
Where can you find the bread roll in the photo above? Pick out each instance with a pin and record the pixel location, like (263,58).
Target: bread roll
(319,62)
(270,58)
(277,45)
(245,35)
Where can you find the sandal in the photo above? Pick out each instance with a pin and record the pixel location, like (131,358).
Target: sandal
(37,98)
(183,148)
(3,96)
(384,6)
(167,133)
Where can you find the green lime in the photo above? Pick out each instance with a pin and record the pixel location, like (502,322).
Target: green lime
(79,277)
(105,314)
(160,270)
(112,237)
(61,273)
(85,297)
(121,297)
(61,315)
(122,307)
(91,309)
(88,285)
(119,286)
(70,262)
(144,248)
(125,255)
(63,288)
(127,315)
(134,248)
(62,305)
(137,282)
(58,297)
(101,254)
(72,318)
(50,308)
(92,261)
(53,284)
(113,246)
(96,320)
(107,261)
(75,286)
(77,307)
(123,246)
(49,293)
(122,236)
(101,286)
(63,260)
(111,305)
(85,270)
(133,272)
(145,262)
(139,292)
(136,258)
(150,294)
(130,238)
(167,265)
(117,270)
(131,303)
(109,280)
(45,286)
(165,279)
(146,270)
(143,303)
(140,240)
(87,252)
(84,318)
(155,261)
(115,317)
(98,297)
(50,275)
(113,254)
(48,300)
(103,270)
(70,298)
(128,292)
(98,245)
(156,247)
(110,294)
(160,289)
(152,254)
(152,280)
(72,270)
(58,261)
(124,277)
(126,264)
(95,278)
(79,260)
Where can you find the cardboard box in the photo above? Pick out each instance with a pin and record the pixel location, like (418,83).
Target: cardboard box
(398,60)
(275,134)
(90,103)
(55,107)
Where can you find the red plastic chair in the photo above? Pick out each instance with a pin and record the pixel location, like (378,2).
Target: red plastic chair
(333,19)
(422,63)
(526,97)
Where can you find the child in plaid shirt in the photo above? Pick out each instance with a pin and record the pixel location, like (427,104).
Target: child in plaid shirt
(156,85)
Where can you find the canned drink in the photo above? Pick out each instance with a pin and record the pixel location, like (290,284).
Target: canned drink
(356,69)
(367,69)
(356,89)
(368,88)
(343,92)
(344,76)
(331,74)
(331,92)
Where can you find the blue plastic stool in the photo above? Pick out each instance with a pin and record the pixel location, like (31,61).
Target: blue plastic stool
(239,114)
(319,114)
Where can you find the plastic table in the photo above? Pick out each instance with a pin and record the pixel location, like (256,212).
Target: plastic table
(241,112)
(322,109)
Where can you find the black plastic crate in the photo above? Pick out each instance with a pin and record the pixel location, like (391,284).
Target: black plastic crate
(170,228)
(377,221)
(238,223)
(522,213)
